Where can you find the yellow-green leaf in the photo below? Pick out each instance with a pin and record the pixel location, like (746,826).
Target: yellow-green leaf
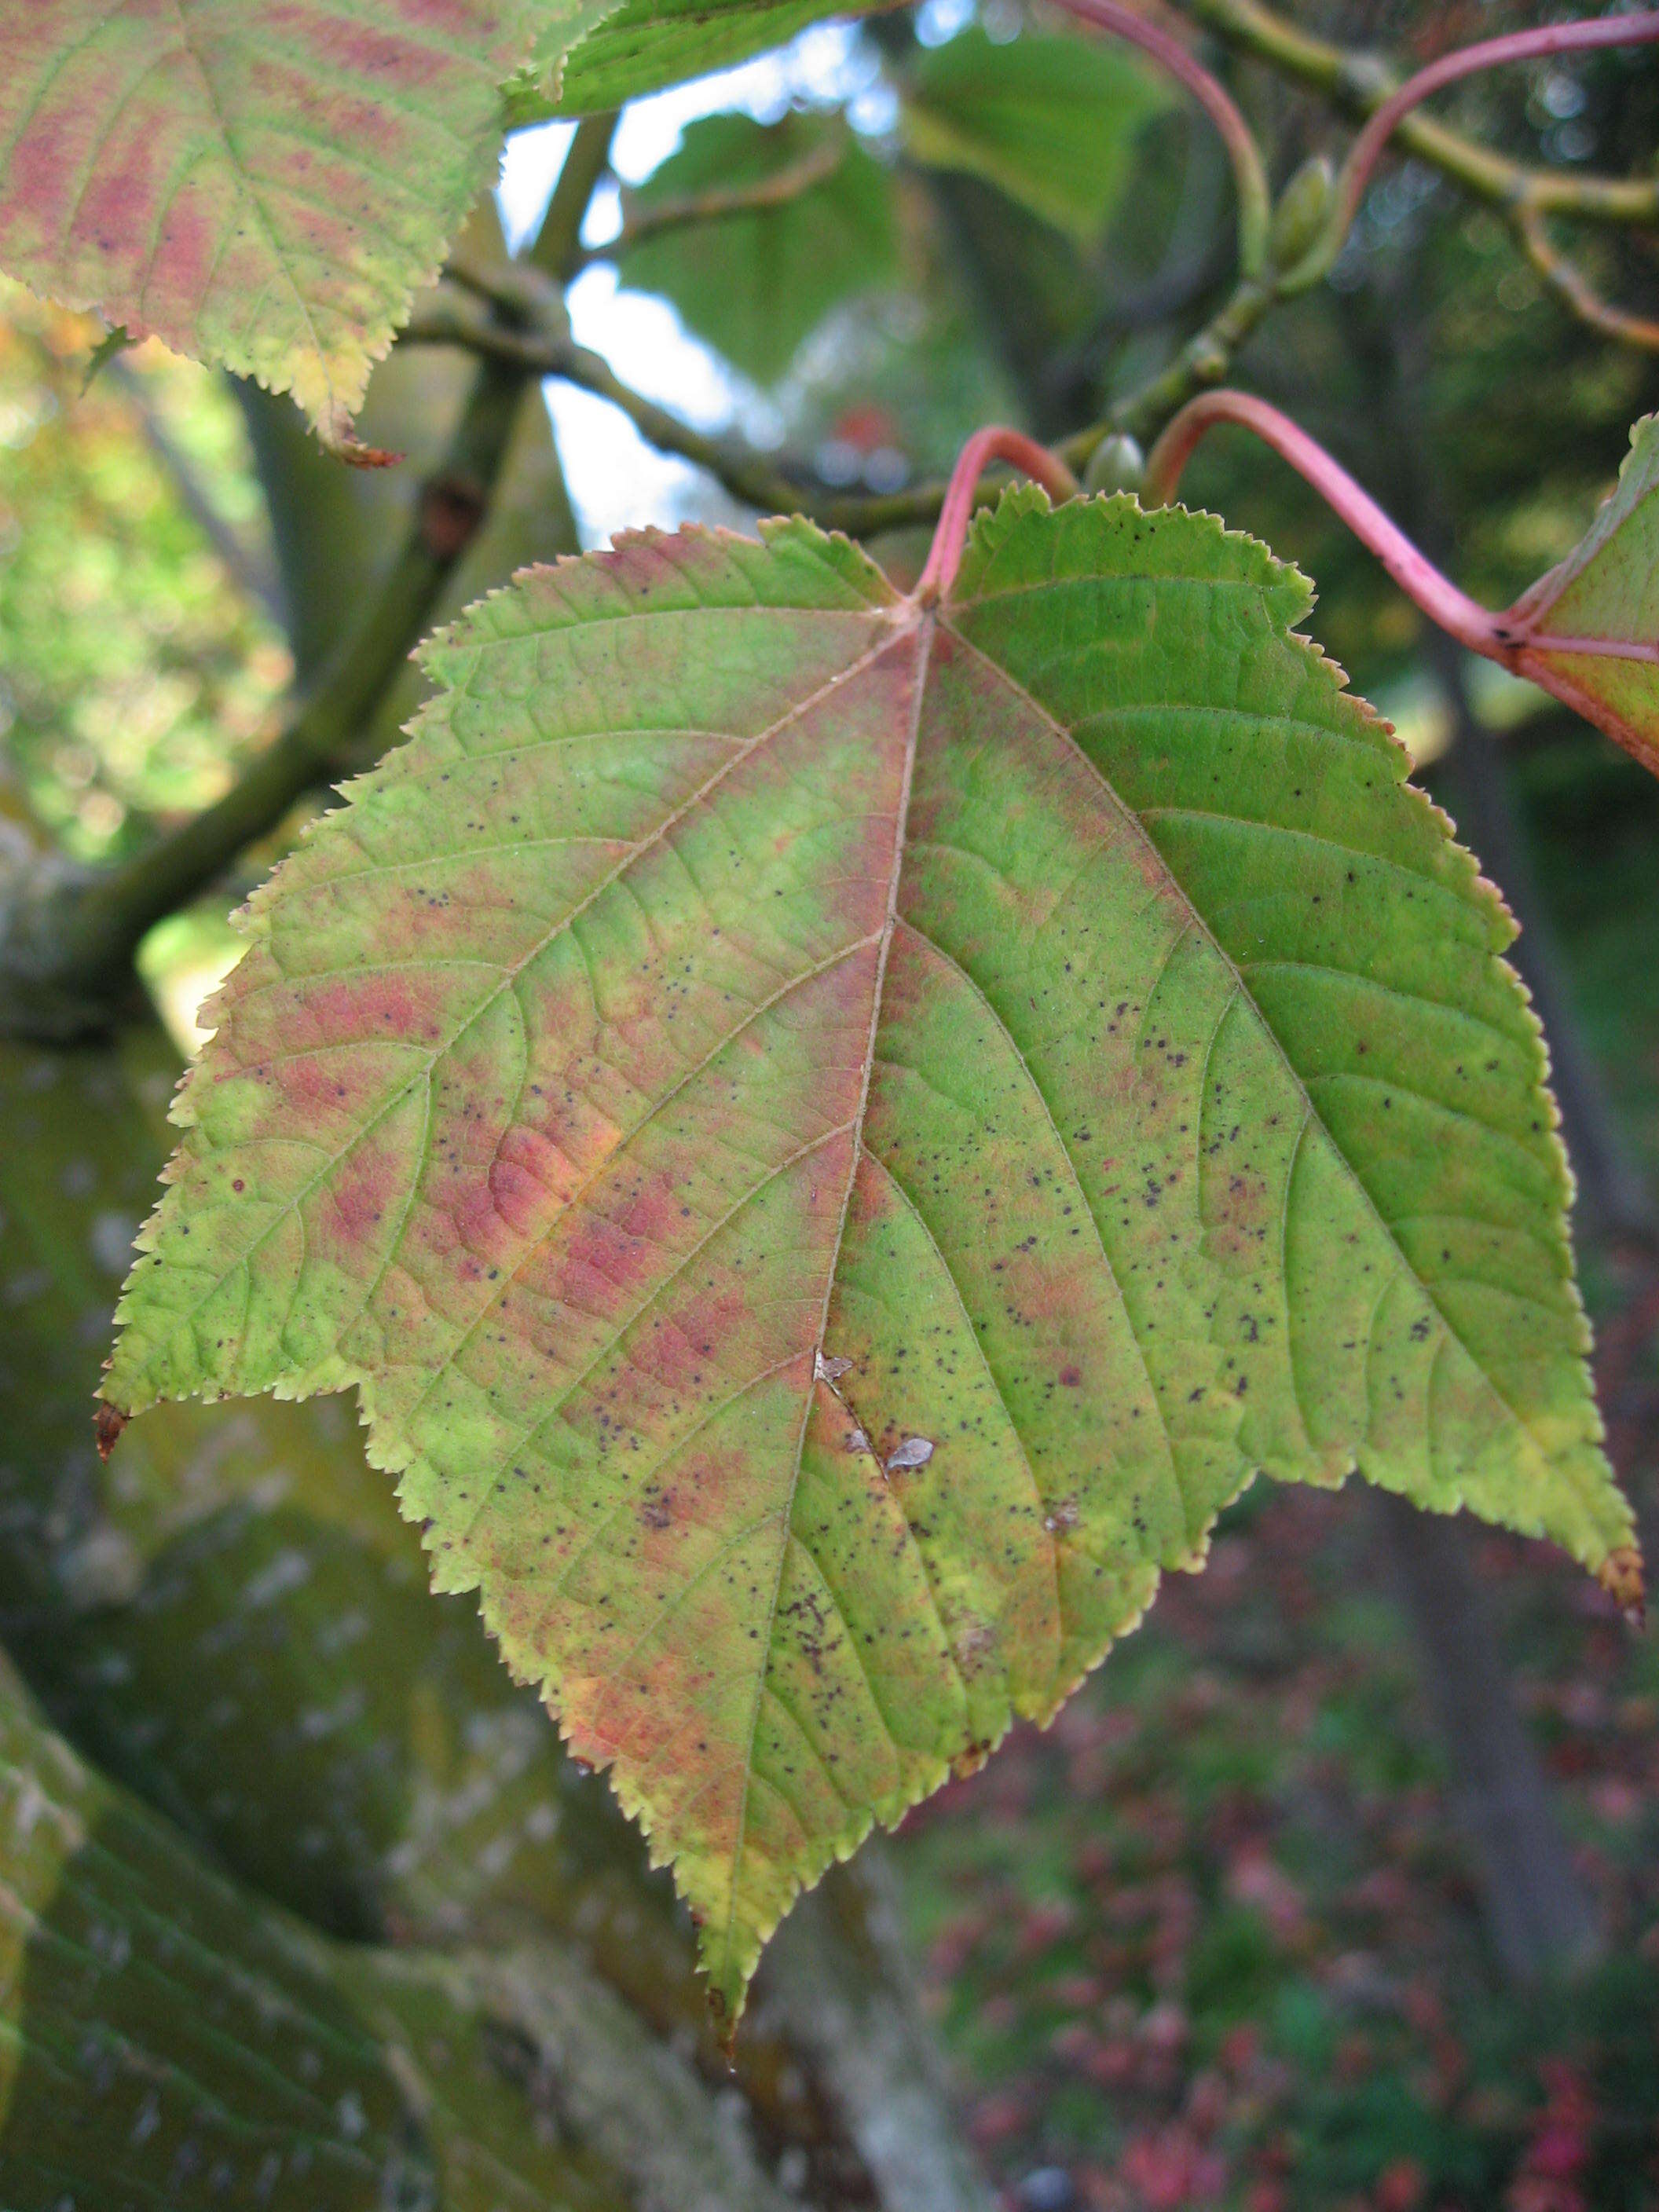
(833,1134)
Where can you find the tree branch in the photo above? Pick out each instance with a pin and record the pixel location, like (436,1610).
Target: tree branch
(1369,88)
(1360,84)
(1469,61)
(736,464)
(66,961)
(748,475)
(73,949)
(783,186)
(1568,280)
(556,250)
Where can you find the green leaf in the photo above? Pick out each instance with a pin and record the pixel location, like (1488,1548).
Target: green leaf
(755,281)
(261,188)
(533,92)
(599,54)
(1051,121)
(1589,631)
(834,1136)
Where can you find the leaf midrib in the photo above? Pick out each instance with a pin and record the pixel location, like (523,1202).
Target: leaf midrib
(923,627)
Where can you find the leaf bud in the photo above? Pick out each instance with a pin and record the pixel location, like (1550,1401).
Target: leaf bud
(1206,358)
(1116,464)
(1303,208)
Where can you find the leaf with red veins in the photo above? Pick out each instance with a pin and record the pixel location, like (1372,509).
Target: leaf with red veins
(833,1134)
(1589,631)
(263,188)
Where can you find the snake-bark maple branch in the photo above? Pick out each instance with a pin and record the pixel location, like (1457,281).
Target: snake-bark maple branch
(556,248)
(731,460)
(1359,84)
(747,473)
(1395,111)
(715,205)
(1538,44)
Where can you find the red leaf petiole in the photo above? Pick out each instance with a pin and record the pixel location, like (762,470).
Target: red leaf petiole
(944,556)
(1249,175)
(1489,53)
(1511,637)
(1461,617)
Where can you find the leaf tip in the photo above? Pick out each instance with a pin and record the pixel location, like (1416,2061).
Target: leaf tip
(107,1424)
(1620,1575)
(349,448)
(724,2016)
(117,340)
(332,416)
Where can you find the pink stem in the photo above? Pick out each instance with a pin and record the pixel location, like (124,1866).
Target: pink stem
(944,556)
(1515,638)
(1461,617)
(1248,174)
(1489,53)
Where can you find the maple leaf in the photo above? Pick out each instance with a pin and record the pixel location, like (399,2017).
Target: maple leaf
(264,188)
(833,1133)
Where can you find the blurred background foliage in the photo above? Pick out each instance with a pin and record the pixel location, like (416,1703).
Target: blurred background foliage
(1218,1938)
(139,645)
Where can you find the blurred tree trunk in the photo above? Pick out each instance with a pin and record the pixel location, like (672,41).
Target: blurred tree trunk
(1537,1916)
(839,1987)
(1613,1200)
(335,530)
(1536,1911)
